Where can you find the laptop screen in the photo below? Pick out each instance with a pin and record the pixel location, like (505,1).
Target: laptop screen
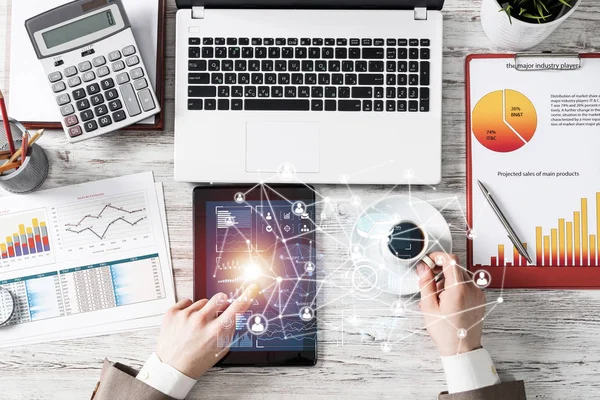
(342,4)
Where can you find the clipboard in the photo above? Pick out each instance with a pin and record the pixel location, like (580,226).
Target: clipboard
(159,87)
(526,277)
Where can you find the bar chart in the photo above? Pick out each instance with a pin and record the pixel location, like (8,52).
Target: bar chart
(25,236)
(573,242)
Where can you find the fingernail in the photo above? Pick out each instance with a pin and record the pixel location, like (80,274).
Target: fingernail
(421,268)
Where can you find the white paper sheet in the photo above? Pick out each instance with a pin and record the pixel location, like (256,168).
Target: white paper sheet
(29,97)
(112,269)
(535,146)
(113,328)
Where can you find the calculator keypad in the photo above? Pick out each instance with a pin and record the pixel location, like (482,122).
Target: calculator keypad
(103,100)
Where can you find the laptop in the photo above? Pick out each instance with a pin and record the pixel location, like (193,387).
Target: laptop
(317,91)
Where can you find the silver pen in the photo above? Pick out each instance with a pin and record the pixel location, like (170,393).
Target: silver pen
(511,233)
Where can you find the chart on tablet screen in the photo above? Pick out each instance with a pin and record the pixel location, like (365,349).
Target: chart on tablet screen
(504,121)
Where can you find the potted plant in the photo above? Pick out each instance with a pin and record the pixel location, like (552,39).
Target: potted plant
(522,24)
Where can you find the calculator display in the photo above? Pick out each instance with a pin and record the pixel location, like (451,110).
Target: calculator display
(78,29)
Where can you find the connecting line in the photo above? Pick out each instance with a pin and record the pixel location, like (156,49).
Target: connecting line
(102,212)
(432,294)
(279,228)
(485,316)
(290,297)
(101,237)
(332,301)
(326,279)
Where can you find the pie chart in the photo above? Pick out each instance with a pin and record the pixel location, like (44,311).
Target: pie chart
(504,120)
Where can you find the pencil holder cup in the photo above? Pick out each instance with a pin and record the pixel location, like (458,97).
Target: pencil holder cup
(33,171)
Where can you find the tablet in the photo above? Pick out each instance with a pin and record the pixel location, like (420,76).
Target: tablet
(265,235)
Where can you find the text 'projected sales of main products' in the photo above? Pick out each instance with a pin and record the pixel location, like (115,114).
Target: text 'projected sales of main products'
(504,120)
(25,235)
(102,221)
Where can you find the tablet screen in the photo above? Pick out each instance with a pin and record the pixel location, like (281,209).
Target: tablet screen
(270,242)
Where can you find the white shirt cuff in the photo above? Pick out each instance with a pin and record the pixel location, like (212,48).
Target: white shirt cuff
(470,371)
(165,378)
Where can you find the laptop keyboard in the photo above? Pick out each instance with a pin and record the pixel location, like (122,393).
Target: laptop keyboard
(309,74)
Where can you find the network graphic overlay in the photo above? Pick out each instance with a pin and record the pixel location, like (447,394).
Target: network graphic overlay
(270,243)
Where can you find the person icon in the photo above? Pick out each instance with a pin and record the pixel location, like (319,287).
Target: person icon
(356,252)
(299,209)
(307,314)
(268,217)
(482,279)
(258,326)
(309,267)
(239,197)
(229,221)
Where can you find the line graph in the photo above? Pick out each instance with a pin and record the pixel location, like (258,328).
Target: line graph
(106,220)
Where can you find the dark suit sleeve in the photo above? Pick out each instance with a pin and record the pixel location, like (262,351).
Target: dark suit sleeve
(502,391)
(118,382)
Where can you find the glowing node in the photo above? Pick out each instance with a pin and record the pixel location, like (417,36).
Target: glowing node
(257,324)
(409,173)
(482,278)
(283,240)
(309,267)
(357,252)
(326,199)
(343,178)
(299,208)
(398,308)
(453,262)
(239,197)
(280,316)
(500,300)
(279,279)
(226,322)
(356,201)
(386,347)
(471,234)
(462,333)
(306,314)
(286,171)
(247,241)
(252,272)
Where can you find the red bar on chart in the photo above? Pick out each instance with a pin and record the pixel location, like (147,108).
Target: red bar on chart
(523,259)
(494,262)
(501,255)
(516,257)
(30,241)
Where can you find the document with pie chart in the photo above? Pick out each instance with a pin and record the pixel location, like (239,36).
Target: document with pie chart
(533,137)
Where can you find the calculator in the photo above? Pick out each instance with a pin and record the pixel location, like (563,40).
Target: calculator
(93,66)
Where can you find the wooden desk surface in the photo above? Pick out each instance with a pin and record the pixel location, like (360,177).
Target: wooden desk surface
(550,339)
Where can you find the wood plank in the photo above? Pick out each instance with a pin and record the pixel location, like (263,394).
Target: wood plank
(542,337)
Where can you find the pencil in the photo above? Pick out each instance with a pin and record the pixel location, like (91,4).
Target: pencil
(31,142)
(24,147)
(9,138)
(8,167)
(5,155)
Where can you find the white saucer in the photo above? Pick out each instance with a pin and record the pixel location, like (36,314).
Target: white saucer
(369,242)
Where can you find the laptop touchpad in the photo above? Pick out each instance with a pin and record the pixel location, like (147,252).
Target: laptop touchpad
(271,144)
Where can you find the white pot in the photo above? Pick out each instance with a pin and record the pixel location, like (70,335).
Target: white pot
(519,35)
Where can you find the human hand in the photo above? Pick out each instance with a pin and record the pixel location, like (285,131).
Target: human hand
(450,306)
(188,337)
